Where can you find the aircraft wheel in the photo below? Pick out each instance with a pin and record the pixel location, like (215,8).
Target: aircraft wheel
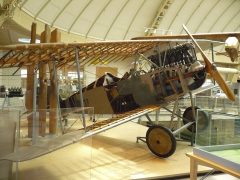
(203,119)
(160,141)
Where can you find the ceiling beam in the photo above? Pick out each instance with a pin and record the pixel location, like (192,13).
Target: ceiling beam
(23,3)
(61,11)
(116,17)
(206,15)
(133,19)
(40,10)
(97,17)
(231,18)
(179,10)
(189,17)
(220,16)
(78,16)
(164,5)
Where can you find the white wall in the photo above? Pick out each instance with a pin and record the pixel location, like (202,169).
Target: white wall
(123,67)
(8,80)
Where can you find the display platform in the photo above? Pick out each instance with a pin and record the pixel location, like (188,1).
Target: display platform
(225,155)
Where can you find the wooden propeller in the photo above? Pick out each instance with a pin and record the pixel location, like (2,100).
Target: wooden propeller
(212,69)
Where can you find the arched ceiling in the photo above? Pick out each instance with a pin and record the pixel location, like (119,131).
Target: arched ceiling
(100,19)
(124,19)
(87,20)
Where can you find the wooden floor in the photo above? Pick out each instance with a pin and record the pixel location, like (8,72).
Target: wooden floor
(113,154)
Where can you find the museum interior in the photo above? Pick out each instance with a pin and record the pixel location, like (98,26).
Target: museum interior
(119,89)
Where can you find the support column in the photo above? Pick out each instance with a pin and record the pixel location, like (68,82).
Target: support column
(42,96)
(53,101)
(193,169)
(30,84)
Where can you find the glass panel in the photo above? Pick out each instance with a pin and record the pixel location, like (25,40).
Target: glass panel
(216,100)
(53,127)
(220,129)
(8,123)
(38,134)
(219,141)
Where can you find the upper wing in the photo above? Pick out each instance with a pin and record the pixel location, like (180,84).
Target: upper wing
(63,53)
(93,52)
(210,36)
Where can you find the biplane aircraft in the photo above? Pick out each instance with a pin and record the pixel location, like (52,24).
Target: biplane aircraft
(174,71)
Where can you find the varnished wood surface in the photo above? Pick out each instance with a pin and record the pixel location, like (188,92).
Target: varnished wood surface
(63,53)
(93,52)
(211,36)
(45,37)
(53,102)
(197,160)
(30,83)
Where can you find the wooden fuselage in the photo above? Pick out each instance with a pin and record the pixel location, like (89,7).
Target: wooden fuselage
(174,77)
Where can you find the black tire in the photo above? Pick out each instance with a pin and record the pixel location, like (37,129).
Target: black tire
(203,120)
(160,141)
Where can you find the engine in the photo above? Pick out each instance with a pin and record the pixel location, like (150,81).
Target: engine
(179,55)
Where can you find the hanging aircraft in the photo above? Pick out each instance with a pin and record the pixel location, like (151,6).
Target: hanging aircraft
(174,71)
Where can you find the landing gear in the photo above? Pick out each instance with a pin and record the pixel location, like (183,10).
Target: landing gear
(160,141)
(188,116)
